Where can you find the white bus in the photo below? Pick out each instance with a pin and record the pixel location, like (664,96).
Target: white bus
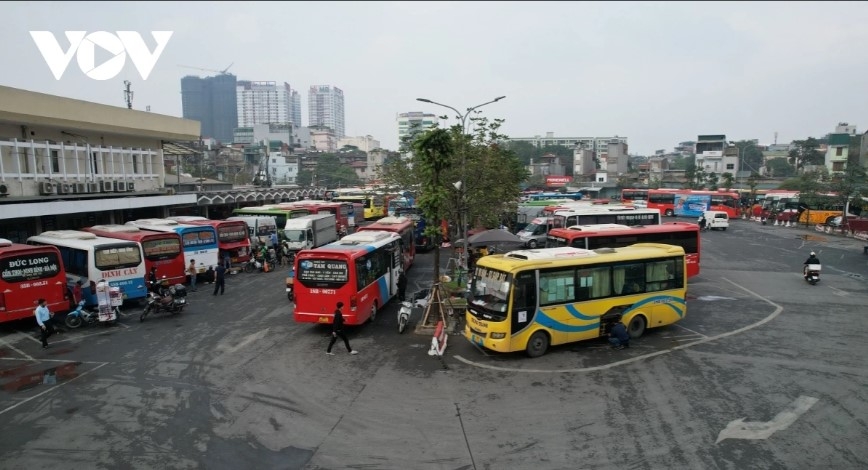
(200,241)
(89,258)
(608,215)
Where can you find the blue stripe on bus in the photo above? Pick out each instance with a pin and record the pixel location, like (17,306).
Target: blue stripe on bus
(553,324)
(571,309)
(675,303)
(384,290)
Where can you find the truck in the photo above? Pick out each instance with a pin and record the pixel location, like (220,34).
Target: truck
(310,231)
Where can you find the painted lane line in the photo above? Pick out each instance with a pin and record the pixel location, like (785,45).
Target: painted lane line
(839,292)
(51,389)
(28,356)
(739,429)
(777,311)
(65,361)
(688,329)
(248,339)
(29,336)
(77,337)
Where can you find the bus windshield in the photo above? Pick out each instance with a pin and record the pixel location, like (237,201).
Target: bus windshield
(490,291)
(161,248)
(322,273)
(29,267)
(231,233)
(117,257)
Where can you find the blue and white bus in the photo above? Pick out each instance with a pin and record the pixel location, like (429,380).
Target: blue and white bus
(89,258)
(200,241)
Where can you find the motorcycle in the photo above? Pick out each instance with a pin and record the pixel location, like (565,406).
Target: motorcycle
(419,299)
(812,273)
(171,300)
(80,316)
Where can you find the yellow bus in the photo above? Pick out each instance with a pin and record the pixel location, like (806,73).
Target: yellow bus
(375,204)
(531,299)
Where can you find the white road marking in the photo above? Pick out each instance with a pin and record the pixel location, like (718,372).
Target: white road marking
(51,389)
(16,349)
(739,429)
(248,339)
(77,337)
(688,329)
(29,336)
(770,317)
(65,361)
(839,292)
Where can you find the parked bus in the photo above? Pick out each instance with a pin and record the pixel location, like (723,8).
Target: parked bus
(89,258)
(341,211)
(161,250)
(531,299)
(200,241)
(29,273)
(404,227)
(280,214)
(591,237)
(374,204)
(361,270)
(608,215)
(259,228)
(232,236)
(632,194)
(394,202)
(423,241)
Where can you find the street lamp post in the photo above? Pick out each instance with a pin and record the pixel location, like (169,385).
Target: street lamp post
(462,188)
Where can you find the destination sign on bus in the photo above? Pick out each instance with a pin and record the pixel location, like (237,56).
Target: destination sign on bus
(331,271)
(161,247)
(201,237)
(231,234)
(29,267)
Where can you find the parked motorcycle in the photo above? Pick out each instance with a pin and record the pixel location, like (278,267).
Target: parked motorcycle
(171,300)
(812,273)
(80,316)
(419,300)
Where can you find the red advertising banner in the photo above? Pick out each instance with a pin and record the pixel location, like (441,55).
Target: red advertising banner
(555,180)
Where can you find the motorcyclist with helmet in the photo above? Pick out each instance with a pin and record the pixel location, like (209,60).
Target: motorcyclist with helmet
(812,259)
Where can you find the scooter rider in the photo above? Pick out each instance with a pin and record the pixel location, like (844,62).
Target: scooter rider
(811,260)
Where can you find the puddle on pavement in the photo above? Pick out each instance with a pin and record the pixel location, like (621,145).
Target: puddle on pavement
(812,238)
(24,377)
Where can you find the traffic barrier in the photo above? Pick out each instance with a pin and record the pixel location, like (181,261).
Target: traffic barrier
(777,222)
(788,224)
(438,342)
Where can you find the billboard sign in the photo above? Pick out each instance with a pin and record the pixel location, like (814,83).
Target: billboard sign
(558,180)
(691,205)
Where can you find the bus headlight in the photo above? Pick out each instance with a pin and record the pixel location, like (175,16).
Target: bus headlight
(498,335)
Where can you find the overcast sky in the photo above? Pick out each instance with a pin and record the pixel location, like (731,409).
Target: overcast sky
(657,73)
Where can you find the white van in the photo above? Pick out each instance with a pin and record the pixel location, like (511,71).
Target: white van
(716,219)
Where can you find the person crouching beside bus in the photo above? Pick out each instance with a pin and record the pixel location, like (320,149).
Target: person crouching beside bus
(618,336)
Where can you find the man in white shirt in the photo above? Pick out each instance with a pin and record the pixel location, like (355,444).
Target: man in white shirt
(45,321)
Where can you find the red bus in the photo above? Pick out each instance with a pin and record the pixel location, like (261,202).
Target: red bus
(341,211)
(405,228)
(361,270)
(590,237)
(28,273)
(664,200)
(232,236)
(630,195)
(165,250)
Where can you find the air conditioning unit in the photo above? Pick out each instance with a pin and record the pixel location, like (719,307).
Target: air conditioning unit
(106,186)
(47,188)
(131,186)
(92,187)
(64,188)
(80,188)
(120,186)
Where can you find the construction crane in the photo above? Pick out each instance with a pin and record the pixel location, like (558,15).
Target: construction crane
(221,72)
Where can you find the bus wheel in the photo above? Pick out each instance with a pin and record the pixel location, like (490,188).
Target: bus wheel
(538,344)
(373,312)
(531,244)
(636,326)
(669,213)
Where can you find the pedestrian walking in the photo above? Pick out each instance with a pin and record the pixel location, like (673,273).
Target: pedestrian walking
(338,332)
(227,260)
(274,243)
(76,292)
(191,271)
(45,320)
(220,279)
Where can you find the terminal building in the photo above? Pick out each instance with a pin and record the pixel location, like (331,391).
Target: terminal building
(67,164)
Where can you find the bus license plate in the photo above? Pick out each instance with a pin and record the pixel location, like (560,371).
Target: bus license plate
(323,319)
(475,339)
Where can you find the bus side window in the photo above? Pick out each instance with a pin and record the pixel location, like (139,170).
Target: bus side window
(524,297)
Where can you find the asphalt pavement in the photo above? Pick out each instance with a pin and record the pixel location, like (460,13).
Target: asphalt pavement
(764,372)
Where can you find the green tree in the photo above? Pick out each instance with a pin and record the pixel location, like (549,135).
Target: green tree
(851,184)
(806,152)
(780,168)
(712,180)
(434,154)
(331,173)
(751,155)
(728,180)
(304,178)
(810,185)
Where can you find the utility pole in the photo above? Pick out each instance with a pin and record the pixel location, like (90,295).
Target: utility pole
(128,94)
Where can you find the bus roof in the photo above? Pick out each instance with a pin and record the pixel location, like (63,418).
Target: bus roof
(8,246)
(128,232)
(392,220)
(188,218)
(602,209)
(76,239)
(367,240)
(116,228)
(575,231)
(566,256)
